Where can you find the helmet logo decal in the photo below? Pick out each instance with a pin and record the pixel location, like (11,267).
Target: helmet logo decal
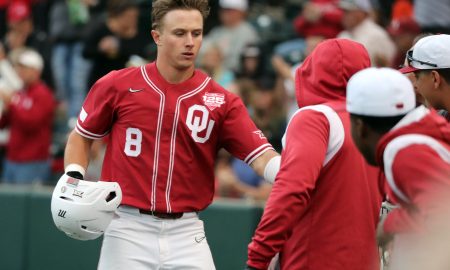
(72,181)
(78,193)
(62,213)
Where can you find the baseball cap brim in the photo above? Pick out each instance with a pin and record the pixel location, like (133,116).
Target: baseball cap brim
(408,69)
(347,6)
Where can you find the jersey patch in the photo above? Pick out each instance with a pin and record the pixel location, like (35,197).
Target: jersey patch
(213,100)
(83,115)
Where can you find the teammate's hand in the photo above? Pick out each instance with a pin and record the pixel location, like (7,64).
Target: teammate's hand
(6,97)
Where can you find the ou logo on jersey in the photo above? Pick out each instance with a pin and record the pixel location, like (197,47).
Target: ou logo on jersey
(199,123)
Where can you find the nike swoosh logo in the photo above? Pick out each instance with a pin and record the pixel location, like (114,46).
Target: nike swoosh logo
(199,239)
(134,90)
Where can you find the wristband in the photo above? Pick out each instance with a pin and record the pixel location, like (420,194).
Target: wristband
(75,174)
(75,168)
(272,168)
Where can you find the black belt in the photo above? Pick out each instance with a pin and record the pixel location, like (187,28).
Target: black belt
(161,215)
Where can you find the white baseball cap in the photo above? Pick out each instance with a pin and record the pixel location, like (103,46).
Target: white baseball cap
(431,52)
(32,59)
(364,5)
(380,92)
(241,5)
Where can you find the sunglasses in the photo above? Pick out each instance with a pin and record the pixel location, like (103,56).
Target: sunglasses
(410,58)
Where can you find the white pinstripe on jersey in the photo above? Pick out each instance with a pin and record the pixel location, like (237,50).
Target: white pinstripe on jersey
(158,135)
(174,136)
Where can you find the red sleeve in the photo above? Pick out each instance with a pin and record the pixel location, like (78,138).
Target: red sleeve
(240,136)
(39,112)
(301,162)
(424,178)
(97,113)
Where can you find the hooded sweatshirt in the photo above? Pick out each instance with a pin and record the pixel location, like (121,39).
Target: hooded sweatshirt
(324,205)
(415,156)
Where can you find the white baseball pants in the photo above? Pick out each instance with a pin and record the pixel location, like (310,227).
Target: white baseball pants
(135,241)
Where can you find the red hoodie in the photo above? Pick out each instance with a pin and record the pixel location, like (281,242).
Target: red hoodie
(324,205)
(416,159)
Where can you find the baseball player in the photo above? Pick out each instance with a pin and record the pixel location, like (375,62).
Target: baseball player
(324,205)
(166,121)
(429,60)
(29,115)
(412,146)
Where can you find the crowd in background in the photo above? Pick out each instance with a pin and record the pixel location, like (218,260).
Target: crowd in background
(251,48)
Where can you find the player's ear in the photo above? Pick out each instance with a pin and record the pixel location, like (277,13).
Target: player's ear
(357,127)
(436,78)
(362,128)
(156,35)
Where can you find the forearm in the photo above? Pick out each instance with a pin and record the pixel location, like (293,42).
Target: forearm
(77,150)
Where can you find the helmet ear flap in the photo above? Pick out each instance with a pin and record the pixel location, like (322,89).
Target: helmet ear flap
(83,209)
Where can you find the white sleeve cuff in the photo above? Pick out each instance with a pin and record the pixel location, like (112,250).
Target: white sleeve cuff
(272,168)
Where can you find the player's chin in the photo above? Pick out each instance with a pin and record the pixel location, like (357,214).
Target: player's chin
(185,64)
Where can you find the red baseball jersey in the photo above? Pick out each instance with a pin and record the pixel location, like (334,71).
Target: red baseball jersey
(164,137)
(415,157)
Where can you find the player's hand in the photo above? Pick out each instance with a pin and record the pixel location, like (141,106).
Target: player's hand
(109,45)
(250,268)
(5,97)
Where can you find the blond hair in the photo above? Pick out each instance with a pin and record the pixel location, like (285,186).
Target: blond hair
(161,7)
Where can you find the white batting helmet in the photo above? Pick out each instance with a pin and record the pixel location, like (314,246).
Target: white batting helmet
(83,209)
